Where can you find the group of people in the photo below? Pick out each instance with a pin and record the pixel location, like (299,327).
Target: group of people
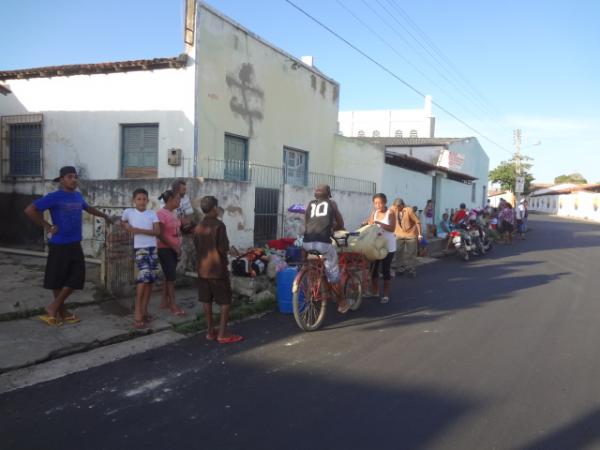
(399,225)
(502,222)
(157,238)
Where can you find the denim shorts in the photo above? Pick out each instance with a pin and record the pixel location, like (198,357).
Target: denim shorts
(146,260)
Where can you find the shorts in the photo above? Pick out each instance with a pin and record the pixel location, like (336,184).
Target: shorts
(65,266)
(216,290)
(332,269)
(428,220)
(507,227)
(146,261)
(385,264)
(168,262)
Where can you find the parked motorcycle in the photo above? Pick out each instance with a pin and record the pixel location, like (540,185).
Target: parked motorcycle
(463,243)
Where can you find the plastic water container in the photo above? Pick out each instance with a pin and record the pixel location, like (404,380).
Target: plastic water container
(285,281)
(293,254)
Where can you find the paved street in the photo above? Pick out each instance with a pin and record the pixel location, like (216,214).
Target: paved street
(497,353)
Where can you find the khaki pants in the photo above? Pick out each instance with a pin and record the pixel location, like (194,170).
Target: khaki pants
(406,255)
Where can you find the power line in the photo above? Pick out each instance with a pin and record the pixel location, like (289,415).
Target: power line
(466,93)
(388,71)
(404,58)
(485,102)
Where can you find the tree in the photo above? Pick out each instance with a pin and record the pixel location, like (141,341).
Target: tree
(506,173)
(575,178)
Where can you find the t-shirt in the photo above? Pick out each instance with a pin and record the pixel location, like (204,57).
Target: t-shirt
(459,216)
(185,207)
(171,229)
(407,224)
(520,212)
(144,220)
(65,210)
(444,226)
(320,216)
(212,246)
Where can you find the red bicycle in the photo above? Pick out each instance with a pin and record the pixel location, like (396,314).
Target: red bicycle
(312,290)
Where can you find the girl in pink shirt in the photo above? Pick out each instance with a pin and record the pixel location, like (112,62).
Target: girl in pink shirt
(169,248)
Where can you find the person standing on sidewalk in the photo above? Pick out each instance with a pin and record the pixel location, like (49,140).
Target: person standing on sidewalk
(430,226)
(169,249)
(408,234)
(212,248)
(65,266)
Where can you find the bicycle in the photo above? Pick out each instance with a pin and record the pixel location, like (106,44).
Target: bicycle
(311,289)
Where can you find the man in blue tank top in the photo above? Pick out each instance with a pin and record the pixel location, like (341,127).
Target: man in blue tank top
(322,218)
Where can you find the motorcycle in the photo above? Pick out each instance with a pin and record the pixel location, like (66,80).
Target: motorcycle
(462,240)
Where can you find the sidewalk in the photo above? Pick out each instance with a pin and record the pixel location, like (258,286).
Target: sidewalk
(25,340)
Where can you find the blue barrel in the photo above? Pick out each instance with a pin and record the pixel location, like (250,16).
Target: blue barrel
(285,281)
(293,254)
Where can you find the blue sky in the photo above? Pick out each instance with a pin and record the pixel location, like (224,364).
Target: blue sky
(529,64)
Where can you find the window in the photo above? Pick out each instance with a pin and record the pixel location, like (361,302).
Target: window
(473,193)
(361,133)
(296,166)
(413,134)
(376,133)
(398,133)
(139,150)
(236,158)
(22,146)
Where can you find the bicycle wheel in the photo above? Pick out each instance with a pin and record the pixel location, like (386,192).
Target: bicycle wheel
(353,291)
(308,300)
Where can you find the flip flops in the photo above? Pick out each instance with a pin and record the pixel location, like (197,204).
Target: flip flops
(50,320)
(212,335)
(71,318)
(230,339)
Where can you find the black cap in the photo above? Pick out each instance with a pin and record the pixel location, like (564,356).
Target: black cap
(66,170)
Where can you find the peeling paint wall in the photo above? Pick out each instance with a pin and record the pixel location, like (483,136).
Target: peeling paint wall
(248,88)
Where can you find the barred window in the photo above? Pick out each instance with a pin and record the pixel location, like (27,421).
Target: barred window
(22,146)
(414,134)
(398,133)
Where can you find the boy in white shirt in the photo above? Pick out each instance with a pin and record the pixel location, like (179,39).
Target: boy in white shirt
(145,227)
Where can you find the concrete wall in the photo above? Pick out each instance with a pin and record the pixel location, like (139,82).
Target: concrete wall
(358,159)
(353,206)
(415,188)
(113,196)
(248,88)
(82,115)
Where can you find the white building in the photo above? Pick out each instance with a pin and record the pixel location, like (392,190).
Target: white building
(231,107)
(449,171)
(389,123)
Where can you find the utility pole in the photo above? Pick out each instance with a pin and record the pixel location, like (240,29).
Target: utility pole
(520,181)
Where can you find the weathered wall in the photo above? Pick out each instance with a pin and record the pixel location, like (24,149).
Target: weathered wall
(248,88)
(82,115)
(353,206)
(113,196)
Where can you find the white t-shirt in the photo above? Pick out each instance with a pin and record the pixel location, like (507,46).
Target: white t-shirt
(389,236)
(520,212)
(144,220)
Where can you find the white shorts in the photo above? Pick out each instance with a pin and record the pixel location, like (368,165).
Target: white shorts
(428,220)
(332,268)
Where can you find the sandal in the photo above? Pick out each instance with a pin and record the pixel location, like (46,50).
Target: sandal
(230,339)
(212,335)
(50,320)
(384,300)
(178,311)
(71,318)
(139,324)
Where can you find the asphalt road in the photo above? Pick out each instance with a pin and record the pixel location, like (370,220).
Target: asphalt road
(497,353)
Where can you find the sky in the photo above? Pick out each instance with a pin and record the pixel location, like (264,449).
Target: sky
(496,66)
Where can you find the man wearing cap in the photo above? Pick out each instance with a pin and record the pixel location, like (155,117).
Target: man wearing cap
(65,266)
(408,235)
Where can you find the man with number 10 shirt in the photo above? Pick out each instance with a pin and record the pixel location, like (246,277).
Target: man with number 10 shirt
(321,220)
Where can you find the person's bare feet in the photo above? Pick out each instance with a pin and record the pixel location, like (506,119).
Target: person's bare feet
(177,311)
